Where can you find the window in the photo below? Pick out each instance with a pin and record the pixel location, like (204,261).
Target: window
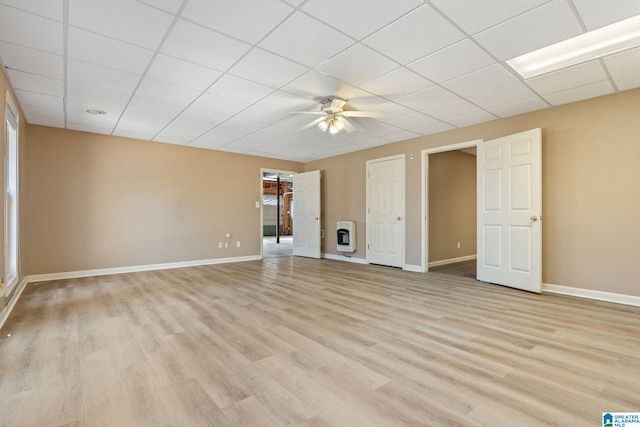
(11,199)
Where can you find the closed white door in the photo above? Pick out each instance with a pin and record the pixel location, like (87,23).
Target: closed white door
(306,214)
(385,211)
(510,211)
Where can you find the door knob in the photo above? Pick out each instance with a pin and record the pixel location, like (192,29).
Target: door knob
(533,218)
(399,218)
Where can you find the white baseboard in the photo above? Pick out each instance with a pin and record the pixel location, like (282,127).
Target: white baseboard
(6,311)
(452,260)
(414,268)
(344,258)
(590,294)
(136,268)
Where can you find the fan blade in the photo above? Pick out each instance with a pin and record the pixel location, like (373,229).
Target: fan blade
(348,127)
(313,123)
(337,104)
(362,114)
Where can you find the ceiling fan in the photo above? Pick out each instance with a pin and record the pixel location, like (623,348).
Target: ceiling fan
(334,118)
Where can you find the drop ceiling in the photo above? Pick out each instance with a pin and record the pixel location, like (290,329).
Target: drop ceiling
(227,75)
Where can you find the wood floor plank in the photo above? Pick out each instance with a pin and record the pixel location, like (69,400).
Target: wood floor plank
(296,341)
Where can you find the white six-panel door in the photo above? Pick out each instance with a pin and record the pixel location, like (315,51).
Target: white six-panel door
(385,211)
(510,211)
(306,214)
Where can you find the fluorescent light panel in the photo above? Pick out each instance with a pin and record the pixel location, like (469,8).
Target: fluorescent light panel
(595,44)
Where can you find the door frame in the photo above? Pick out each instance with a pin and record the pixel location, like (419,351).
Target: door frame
(404,204)
(262,172)
(424,263)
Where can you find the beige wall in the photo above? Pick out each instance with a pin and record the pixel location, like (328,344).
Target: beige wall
(452,205)
(22,132)
(591,202)
(98,201)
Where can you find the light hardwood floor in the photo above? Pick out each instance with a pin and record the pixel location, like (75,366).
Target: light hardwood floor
(293,341)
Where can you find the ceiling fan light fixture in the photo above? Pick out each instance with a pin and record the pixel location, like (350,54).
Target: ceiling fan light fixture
(335,126)
(324,125)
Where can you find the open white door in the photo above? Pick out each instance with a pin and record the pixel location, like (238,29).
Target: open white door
(306,214)
(510,211)
(385,211)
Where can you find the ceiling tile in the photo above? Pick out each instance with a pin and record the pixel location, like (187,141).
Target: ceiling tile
(305,40)
(171,6)
(623,63)
(519,107)
(483,80)
(135,135)
(417,34)
(453,61)
(135,121)
(359,18)
(26,29)
(34,83)
(102,77)
(579,75)
(285,102)
(596,14)
(240,127)
(525,33)
(358,64)
(164,111)
(393,111)
(202,46)
(87,128)
(39,100)
(413,122)
(579,93)
(628,81)
(472,119)
(31,60)
(454,109)
(504,95)
(43,117)
(474,16)
(186,130)
(317,86)
(258,114)
(101,50)
(428,98)
(267,68)
(397,83)
(48,8)
(155,89)
(202,116)
(182,73)
(219,105)
(125,20)
(95,96)
(248,20)
(168,140)
(233,87)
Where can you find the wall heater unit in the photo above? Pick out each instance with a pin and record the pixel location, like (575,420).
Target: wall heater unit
(346,236)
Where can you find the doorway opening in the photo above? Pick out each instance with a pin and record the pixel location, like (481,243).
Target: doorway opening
(449,204)
(277,209)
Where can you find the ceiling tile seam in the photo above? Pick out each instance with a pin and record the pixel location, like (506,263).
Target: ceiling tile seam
(65,53)
(109,37)
(175,19)
(227,72)
(155,7)
(31,12)
(576,13)
(473,40)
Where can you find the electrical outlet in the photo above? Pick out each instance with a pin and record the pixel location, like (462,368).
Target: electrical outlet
(220,245)
(226,244)
(238,244)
